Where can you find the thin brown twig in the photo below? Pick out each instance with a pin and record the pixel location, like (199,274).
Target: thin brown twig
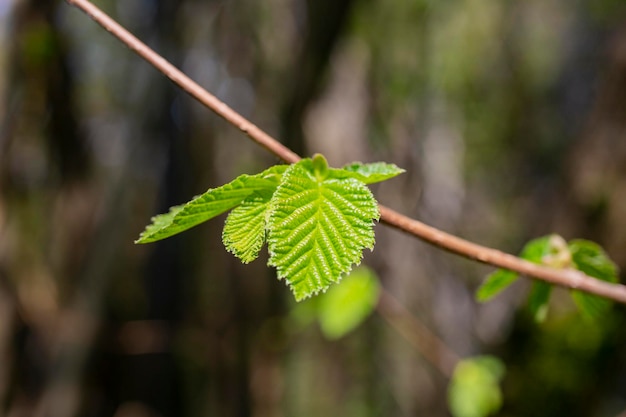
(186,83)
(565,278)
(568,278)
(417,334)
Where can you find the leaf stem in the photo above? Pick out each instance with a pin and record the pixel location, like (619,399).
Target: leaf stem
(562,277)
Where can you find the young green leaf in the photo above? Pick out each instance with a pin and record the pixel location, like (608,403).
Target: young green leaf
(210,204)
(536,249)
(343,307)
(591,259)
(494,284)
(244,230)
(538,300)
(552,250)
(474,389)
(316,219)
(371,173)
(318,226)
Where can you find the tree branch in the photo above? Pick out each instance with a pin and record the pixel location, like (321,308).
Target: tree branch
(565,278)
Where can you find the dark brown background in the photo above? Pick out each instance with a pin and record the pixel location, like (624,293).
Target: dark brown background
(509,117)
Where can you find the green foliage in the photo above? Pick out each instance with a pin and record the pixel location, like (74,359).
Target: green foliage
(538,300)
(371,173)
(317,220)
(474,389)
(535,250)
(244,229)
(553,251)
(591,259)
(538,251)
(343,307)
(318,227)
(211,204)
(495,283)
(500,279)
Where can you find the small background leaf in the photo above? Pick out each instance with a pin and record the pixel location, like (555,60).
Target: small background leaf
(495,283)
(536,249)
(474,389)
(372,173)
(538,300)
(344,307)
(591,259)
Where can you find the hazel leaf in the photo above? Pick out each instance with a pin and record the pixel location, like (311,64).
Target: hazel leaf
(318,226)
(210,204)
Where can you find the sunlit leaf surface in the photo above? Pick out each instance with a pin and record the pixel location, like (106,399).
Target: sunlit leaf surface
(318,226)
(210,204)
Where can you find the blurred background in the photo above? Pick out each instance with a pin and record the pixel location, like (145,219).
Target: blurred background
(509,117)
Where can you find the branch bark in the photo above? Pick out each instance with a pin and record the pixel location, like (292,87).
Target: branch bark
(571,279)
